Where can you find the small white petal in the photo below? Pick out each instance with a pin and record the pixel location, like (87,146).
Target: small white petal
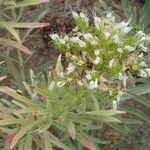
(75,29)
(143,64)
(82,44)
(88,76)
(110,16)
(107,34)
(116,39)
(97,52)
(87,36)
(143,74)
(129,48)
(70,68)
(79,83)
(148,71)
(54,36)
(120,50)
(112,63)
(97,60)
(93,84)
(93,42)
(114,104)
(75,39)
(97,22)
(141,56)
(75,15)
(60,84)
(84,18)
(62,41)
(141,34)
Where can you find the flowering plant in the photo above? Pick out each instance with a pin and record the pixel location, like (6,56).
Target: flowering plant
(103,56)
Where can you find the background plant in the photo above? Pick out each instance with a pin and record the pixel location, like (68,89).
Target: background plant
(15,33)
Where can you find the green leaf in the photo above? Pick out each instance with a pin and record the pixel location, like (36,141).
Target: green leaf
(3,77)
(25,25)
(43,128)
(22,132)
(126,8)
(12,93)
(28,142)
(26,3)
(57,142)
(11,121)
(15,45)
(137,113)
(47,142)
(105,112)
(59,67)
(71,129)
(145,17)
(11,30)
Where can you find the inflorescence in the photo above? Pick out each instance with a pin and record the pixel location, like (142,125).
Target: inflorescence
(102,56)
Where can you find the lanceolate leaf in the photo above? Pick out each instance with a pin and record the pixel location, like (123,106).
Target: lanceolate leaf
(3,77)
(22,132)
(11,30)
(105,112)
(15,95)
(26,3)
(27,25)
(15,45)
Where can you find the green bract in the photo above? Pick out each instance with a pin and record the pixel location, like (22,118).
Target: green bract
(103,56)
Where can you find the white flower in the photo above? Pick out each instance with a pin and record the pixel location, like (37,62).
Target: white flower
(122,25)
(66,38)
(144,49)
(70,68)
(93,42)
(88,76)
(126,30)
(84,18)
(112,63)
(141,34)
(102,79)
(93,85)
(116,39)
(107,34)
(54,37)
(97,22)
(79,83)
(82,44)
(120,50)
(75,29)
(97,52)
(129,48)
(62,41)
(143,74)
(60,84)
(61,74)
(75,15)
(97,60)
(114,104)
(148,71)
(143,64)
(87,36)
(124,78)
(119,95)
(141,56)
(75,39)
(110,16)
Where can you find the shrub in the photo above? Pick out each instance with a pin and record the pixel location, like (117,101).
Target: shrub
(62,110)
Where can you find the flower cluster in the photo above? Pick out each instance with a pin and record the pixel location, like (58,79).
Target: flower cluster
(102,56)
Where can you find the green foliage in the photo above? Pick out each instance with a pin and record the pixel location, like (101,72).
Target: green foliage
(49,108)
